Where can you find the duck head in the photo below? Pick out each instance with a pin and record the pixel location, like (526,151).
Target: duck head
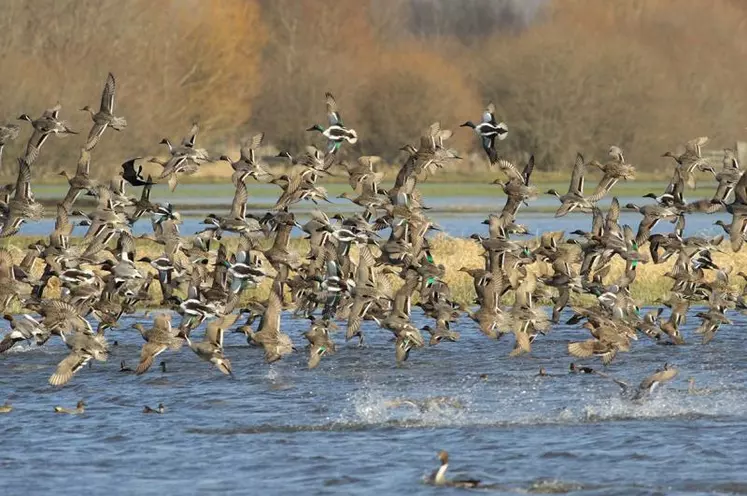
(25,117)
(316,127)
(469,124)
(409,149)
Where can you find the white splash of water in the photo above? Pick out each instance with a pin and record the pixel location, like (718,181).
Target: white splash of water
(371,406)
(271,374)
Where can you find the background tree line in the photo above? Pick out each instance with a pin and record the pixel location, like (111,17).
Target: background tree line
(566,75)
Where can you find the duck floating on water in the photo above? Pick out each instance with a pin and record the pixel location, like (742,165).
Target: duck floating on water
(438,477)
(80,408)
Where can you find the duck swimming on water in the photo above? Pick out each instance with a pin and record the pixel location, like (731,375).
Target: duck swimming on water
(79,408)
(438,477)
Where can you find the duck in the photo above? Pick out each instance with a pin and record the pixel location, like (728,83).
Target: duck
(652,214)
(678,316)
(438,477)
(689,160)
(159,338)
(441,333)
(23,328)
(574,199)
(578,369)
(489,129)
(6,408)
(194,310)
(104,117)
(83,348)
(613,170)
(132,176)
(142,205)
(243,272)
(122,365)
(248,161)
(336,133)
(159,410)
(80,408)
(655,380)
(187,149)
(210,348)
(692,390)
(605,344)
(45,126)
(22,206)
(275,343)
(320,342)
(80,182)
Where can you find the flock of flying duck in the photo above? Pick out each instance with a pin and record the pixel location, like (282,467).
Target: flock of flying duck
(350,273)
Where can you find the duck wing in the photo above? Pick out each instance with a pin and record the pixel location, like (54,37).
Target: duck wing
(250,146)
(576,186)
(238,206)
(332,113)
(148,353)
(527,173)
(68,367)
(488,114)
(190,139)
(107,96)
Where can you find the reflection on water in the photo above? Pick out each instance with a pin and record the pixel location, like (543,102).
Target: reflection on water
(358,424)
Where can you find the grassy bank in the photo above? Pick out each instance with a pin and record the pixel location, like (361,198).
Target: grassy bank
(651,284)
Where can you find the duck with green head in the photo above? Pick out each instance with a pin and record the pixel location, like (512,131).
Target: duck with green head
(336,133)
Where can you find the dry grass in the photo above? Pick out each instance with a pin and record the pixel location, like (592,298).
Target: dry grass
(651,284)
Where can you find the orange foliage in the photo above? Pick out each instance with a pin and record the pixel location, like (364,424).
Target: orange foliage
(174,61)
(642,74)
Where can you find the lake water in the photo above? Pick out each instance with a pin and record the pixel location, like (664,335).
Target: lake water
(454,223)
(282,429)
(457,215)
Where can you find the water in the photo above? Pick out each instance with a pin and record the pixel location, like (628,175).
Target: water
(456,215)
(282,429)
(455,224)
